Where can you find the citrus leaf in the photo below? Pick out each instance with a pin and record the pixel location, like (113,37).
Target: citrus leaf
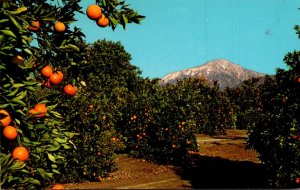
(34,181)
(51,157)
(54,148)
(19,102)
(16,23)
(30,83)
(66,146)
(21,95)
(17,165)
(4,20)
(9,33)
(4,105)
(43,173)
(18,11)
(18,85)
(55,171)
(13,92)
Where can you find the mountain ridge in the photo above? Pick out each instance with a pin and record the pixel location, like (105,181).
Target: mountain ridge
(226,73)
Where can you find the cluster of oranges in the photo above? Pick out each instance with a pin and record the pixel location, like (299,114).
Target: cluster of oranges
(94,12)
(35,26)
(56,77)
(11,133)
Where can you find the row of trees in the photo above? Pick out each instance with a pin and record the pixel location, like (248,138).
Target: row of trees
(67,137)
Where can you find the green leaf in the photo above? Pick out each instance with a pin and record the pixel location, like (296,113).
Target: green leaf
(43,173)
(28,51)
(21,95)
(17,165)
(3,20)
(55,114)
(18,102)
(54,148)
(18,121)
(34,181)
(30,88)
(16,23)
(4,105)
(24,171)
(55,171)
(51,157)
(8,33)
(114,21)
(38,9)
(66,146)
(18,85)
(18,11)
(59,140)
(13,92)
(52,107)
(30,83)
(125,21)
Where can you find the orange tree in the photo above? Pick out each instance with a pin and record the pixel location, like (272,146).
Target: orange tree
(34,34)
(275,132)
(102,93)
(247,99)
(155,126)
(207,105)
(160,122)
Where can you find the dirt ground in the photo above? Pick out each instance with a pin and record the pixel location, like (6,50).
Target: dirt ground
(222,162)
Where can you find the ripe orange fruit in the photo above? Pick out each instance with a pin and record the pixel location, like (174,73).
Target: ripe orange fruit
(34,26)
(113,139)
(47,71)
(20,153)
(61,75)
(40,110)
(59,26)
(58,186)
(70,89)
(5,118)
(103,21)
(298,80)
(10,132)
(18,59)
(297,180)
(94,12)
(56,78)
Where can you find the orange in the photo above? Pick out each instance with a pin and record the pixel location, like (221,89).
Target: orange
(94,11)
(58,186)
(103,21)
(47,71)
(56,78)
(61,75)
(59,26)
(34,26)
(10,132)
(5,118)
(298,80)
(39,110)
(20,153)
(70,89)
(18,59)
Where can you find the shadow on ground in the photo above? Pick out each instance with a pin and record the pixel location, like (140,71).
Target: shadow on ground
(214,172)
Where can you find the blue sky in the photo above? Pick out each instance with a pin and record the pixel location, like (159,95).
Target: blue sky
(180,34)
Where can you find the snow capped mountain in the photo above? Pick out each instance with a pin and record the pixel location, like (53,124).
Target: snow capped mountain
(220,70)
